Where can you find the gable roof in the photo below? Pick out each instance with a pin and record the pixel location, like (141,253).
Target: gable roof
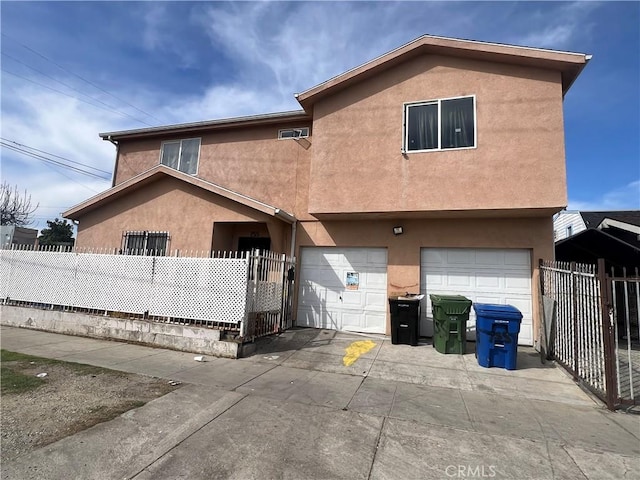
(569,64)
(162,171)
(593,219)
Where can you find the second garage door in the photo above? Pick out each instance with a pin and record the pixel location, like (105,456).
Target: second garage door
(483,275)
(343,289)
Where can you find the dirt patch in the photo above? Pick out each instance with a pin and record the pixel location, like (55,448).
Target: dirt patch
(69,399)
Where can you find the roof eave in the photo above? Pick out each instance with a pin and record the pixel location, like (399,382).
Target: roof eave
(227,123)
(152,174)
(570,64)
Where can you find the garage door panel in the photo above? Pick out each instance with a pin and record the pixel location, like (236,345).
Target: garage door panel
(351,320)
(433,257)
(489,257)
(516,259)
(459,257)
(522,304)
(377,257)
(362,307)
(375,278)
(513,282)
(435,279)
(373,300)
(352,298)
(353,257)
(321,276)
(459,280)
(485,281)
(309,295)
(500,276)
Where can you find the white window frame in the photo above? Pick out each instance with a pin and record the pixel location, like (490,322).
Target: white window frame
(438,101)
(180,153)
(297,129)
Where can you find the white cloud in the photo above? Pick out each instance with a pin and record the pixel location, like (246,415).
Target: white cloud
(284,48)
(61,126)
(626,197)
(556,25)
(273,50)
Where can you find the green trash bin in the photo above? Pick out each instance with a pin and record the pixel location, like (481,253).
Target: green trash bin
(450,315)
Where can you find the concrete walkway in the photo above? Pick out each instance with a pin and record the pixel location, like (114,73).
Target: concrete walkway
(293,410)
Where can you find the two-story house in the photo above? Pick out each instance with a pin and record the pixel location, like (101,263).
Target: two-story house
(435,168)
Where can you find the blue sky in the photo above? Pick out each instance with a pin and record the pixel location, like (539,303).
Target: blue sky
(117,66)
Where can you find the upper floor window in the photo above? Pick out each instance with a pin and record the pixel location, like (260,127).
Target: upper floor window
(569,230)
(181,154)
(440,124)
(293,133)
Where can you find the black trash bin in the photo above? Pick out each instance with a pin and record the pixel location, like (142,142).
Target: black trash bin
(405,319)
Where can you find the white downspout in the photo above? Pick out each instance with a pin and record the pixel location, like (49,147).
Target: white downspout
(293,238)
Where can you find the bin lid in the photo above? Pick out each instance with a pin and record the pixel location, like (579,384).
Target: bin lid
(406,298)
(500,312)
(440,299)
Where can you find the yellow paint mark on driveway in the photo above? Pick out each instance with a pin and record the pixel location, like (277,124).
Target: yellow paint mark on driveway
(355,350)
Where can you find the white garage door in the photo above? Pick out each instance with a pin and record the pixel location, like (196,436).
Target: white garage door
(501,276)
(343,289)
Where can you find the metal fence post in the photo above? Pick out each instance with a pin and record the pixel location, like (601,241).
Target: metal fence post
(574,316)
(608,334)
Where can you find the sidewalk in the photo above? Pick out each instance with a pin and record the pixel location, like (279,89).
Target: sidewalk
(293,410)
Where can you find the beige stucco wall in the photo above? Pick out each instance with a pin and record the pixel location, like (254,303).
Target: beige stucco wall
(188,213)
(251,161)
(357,164)
(353,160)
(403,251)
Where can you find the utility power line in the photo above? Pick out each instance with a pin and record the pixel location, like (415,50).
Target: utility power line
(51,161)
(111,108)
(53,155)
(81,78)
(56,169)
(74,97)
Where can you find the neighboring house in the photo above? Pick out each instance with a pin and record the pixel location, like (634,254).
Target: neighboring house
(613,236)
(567,223)
(435,168)
(571,222)
(12,235)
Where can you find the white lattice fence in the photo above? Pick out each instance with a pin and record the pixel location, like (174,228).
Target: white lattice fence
(209,289)
(33,277)
(119,283)
(212,289)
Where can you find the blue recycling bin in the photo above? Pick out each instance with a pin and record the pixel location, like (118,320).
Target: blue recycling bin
(497,328)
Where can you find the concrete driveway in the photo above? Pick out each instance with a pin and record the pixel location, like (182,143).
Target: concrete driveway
(294,410)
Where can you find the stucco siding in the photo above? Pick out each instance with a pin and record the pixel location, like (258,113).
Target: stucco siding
(188,213)
(357,164)
(251,161)
(403,270)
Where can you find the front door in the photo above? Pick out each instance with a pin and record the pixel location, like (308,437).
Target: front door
(246,244)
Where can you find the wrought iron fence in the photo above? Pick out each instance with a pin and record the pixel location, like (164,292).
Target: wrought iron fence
(625,303)
(269,296)
(594,327)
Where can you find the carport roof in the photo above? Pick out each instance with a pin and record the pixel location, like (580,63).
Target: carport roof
(591,244)
(162,171)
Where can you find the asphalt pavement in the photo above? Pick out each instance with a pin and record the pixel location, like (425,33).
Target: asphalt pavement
(320,404)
